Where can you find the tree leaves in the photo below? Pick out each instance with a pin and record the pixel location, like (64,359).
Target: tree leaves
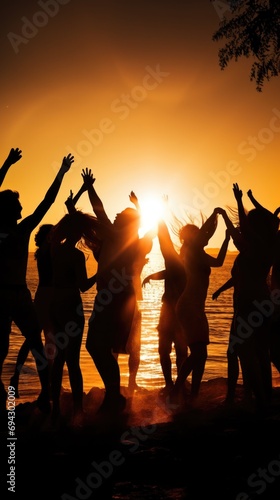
(252,30)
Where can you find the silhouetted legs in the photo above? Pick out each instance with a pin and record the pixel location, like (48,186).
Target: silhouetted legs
(108,332)
(5,328)
(41,304)
(232,375)
(166,366)
(255,362)
(275,343)
(68,321)
(21,358)
(16,305)
(133,349)
(195,364)
(99,346)
(170,334)
(232,368)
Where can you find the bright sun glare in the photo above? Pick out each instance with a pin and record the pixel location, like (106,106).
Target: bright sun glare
(152,210)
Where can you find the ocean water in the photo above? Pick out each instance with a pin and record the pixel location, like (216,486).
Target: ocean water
(149,376)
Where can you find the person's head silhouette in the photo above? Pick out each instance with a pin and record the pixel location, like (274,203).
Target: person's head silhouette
(42,233)
(10,206)
(128,220)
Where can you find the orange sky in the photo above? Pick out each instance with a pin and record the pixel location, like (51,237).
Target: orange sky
(135,92)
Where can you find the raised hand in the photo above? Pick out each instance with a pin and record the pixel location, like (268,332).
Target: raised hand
(237,192)
(67,162)
(88,178)
(133,198)
(14,156)
(69,202)
(219,210)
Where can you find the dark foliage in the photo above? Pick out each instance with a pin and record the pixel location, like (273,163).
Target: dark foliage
(252,29)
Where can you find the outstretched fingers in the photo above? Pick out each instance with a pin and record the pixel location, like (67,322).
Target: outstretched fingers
(14,155)
(87,176)
(67,161)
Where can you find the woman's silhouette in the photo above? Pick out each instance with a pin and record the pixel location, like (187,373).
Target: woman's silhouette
(15,298)
(250,334)
(115,303)
(191,304)
(42,299)
(66,307)
(169,329)
(275,323)
(133,345)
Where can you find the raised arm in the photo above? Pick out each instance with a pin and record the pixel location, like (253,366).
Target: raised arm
(133,198)
(33,220)
(208,228)
(232,230)
(165,242)
(258,205)
(253,200)
(241,211)
(226,286)
(219,260)
(160,275)
(84,283)
(13,157)
(83,187)
(96,203)
(69,202)
(78,194)
(72,200)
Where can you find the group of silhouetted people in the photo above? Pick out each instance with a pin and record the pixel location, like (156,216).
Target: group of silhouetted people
(114,326)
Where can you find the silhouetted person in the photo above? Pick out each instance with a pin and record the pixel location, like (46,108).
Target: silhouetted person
(133,345)
(250,334)
(66,307)
(232,358)
(169,329)
(191,304)
(275,307)
(42,299)
(115,303)
(15,298)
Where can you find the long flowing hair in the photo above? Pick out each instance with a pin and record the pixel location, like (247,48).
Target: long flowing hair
(178,226)
(84,225)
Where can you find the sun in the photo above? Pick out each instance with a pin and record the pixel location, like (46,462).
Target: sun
(152,209)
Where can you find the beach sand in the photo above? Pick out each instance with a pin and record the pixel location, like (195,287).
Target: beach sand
(154,450)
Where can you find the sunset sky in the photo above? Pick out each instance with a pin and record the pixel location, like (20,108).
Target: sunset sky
(135,92)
